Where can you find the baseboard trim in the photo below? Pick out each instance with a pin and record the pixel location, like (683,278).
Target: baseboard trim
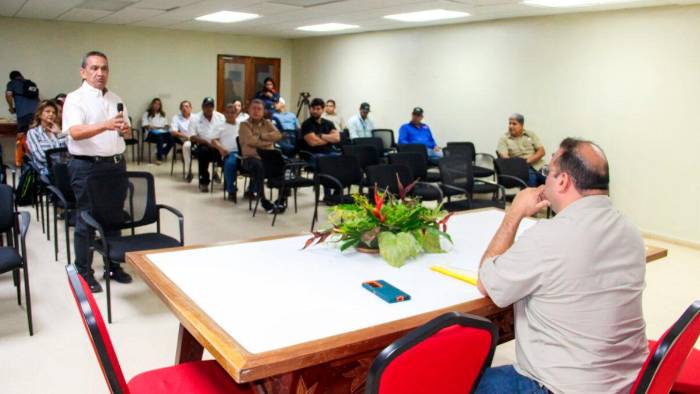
(673,240)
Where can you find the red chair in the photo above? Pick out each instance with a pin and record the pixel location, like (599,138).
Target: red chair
(661,372)
(446,355)
(201,377)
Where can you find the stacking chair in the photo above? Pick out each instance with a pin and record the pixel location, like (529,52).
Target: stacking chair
(512,173)
(339,173)
(387,137)
(377,143)
(198,377)
(177,148)
(345,137)
(468,150)
(281,175)
(421,150)
(13,257)
(458,179)
(63,198)
(121,201)
(449,354)
(134,143)
(387,176)
(419,169)
(664,370)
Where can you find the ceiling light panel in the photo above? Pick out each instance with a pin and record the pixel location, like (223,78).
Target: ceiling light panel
(573,3)
(227,17)
(327,27)
(427,16)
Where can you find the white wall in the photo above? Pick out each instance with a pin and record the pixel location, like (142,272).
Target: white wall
(144,63)
(628,80)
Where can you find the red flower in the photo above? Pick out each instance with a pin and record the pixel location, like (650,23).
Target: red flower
(378,203)
(443,222)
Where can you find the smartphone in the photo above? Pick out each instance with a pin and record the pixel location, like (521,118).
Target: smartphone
(386,291)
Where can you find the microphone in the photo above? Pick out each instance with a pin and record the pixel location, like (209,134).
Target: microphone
(120,107)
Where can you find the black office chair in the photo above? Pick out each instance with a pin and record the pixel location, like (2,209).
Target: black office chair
(387,176)
(121,201)
(420,149)
(281,175)
(467,149)
(13,257)
(414,161)
(345,137)
(133,142)
(512,173)
(377,143)
(458,180)
(338,173)
(62,196)
(387,137)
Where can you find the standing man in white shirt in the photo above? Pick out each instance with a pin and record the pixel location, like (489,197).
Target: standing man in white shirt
(96,132)
(360,125)
(224,140)
(180,130)
(202,130)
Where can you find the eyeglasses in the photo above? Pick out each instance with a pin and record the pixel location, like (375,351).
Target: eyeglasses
(545,170)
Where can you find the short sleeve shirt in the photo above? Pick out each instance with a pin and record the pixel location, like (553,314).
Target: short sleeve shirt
(23,105)
(318,127)
(522,146)
(576,282)
(203,127)
(181,124)
(227,133)
(360,128)
(155,122)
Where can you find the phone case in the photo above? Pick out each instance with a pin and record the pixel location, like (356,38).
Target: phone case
(386,291)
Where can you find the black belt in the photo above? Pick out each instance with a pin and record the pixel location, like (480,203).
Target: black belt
(101,159)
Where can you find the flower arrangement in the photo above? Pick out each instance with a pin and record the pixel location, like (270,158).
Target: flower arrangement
(399,228)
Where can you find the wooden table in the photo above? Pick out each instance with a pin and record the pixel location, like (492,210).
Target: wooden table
(322,330)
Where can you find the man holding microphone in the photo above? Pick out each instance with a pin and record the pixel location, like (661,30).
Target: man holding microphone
(96,122)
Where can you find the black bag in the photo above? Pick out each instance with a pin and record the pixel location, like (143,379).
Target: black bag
(29,89)
(25,194)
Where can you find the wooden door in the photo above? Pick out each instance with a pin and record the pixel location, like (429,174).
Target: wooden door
(240,77)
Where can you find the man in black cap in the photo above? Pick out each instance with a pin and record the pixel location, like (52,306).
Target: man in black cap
(202,132)
(360,125)
(417,132)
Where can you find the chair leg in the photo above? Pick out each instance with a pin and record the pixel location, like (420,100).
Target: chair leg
(274,210)
(315,217)
(68,237)
(55,233)
(257,201)
(15,278)
(295,200)
(28,299)
(172,163)
(48,215)
(108,265)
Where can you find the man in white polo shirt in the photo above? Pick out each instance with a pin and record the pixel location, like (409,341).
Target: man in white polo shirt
(179,128)
(575,280)
(202,133)
(224,140)
(96,132)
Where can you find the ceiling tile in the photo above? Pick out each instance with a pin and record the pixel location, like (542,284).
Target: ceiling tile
(46,9)
(129,15)
(81,15)
(165,4)
(10,7)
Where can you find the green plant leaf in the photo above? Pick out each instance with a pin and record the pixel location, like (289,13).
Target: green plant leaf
(397,248)
(429,239)
(348,243)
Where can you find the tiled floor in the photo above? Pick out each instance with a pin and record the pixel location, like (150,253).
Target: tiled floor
(59,358)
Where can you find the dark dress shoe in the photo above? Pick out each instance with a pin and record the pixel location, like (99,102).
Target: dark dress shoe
(118,275)
(95,286)
(203,188)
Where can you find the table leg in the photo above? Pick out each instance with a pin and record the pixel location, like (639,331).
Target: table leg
(188,349)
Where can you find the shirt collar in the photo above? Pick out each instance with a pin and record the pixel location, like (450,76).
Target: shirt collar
(594,201)
(96,92)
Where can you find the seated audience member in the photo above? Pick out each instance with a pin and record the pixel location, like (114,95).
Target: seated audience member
(330,114)
(202,132)
(59,100)
(319,135)
(240,115)
(417,132)
(268,95)
(518,142)
(156,125)
(224,140)
(288,124)
(44,134)
(576,281)
(257,133)
(180,130)
(360,125)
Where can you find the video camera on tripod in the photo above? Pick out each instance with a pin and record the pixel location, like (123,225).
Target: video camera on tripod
(303,102)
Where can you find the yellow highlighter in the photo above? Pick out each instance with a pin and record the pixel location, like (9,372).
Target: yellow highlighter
(457,275)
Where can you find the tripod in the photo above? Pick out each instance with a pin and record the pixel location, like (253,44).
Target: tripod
(303,103)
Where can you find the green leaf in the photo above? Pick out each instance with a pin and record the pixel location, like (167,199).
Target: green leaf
(429,240)
(349,243)
(397,248)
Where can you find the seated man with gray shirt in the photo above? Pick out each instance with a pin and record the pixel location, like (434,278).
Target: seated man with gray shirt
(575,280)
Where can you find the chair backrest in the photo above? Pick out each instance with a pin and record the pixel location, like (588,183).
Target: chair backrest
(377,143)
(446,355)
(7,209)
(667,357)
(513,166)
(97,332)
(344,168)
(415,161)
(366,155)
(387,137)
(457,171)
(120,200)
(56,155)
(462,149)
(345,137)
(273,163)
(412,148)
(61,179)
(384,176)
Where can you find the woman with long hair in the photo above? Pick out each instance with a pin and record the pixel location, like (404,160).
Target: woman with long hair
(156,125)
(269,95)
(44,134)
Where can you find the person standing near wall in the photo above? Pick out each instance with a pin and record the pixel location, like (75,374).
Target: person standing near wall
(22,96)
(96,130)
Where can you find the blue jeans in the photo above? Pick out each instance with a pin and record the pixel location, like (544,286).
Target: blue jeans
(288,142)
(535,177)
(230,172)
(434,157)
(164,142)
(506,379)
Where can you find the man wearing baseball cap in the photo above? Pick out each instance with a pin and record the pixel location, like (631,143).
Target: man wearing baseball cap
(417,132)
(360,125)
(202,132)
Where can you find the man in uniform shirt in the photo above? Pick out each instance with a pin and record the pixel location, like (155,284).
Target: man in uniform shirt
(575,280)
(417,132)
(179,128)
(360,125)
(257,133)
(224,140)
(202,133)
(518,142)
(96,132)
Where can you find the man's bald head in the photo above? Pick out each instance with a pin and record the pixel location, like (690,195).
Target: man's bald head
(586,163)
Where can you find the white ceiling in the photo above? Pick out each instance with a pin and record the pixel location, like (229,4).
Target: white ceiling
(280,17)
